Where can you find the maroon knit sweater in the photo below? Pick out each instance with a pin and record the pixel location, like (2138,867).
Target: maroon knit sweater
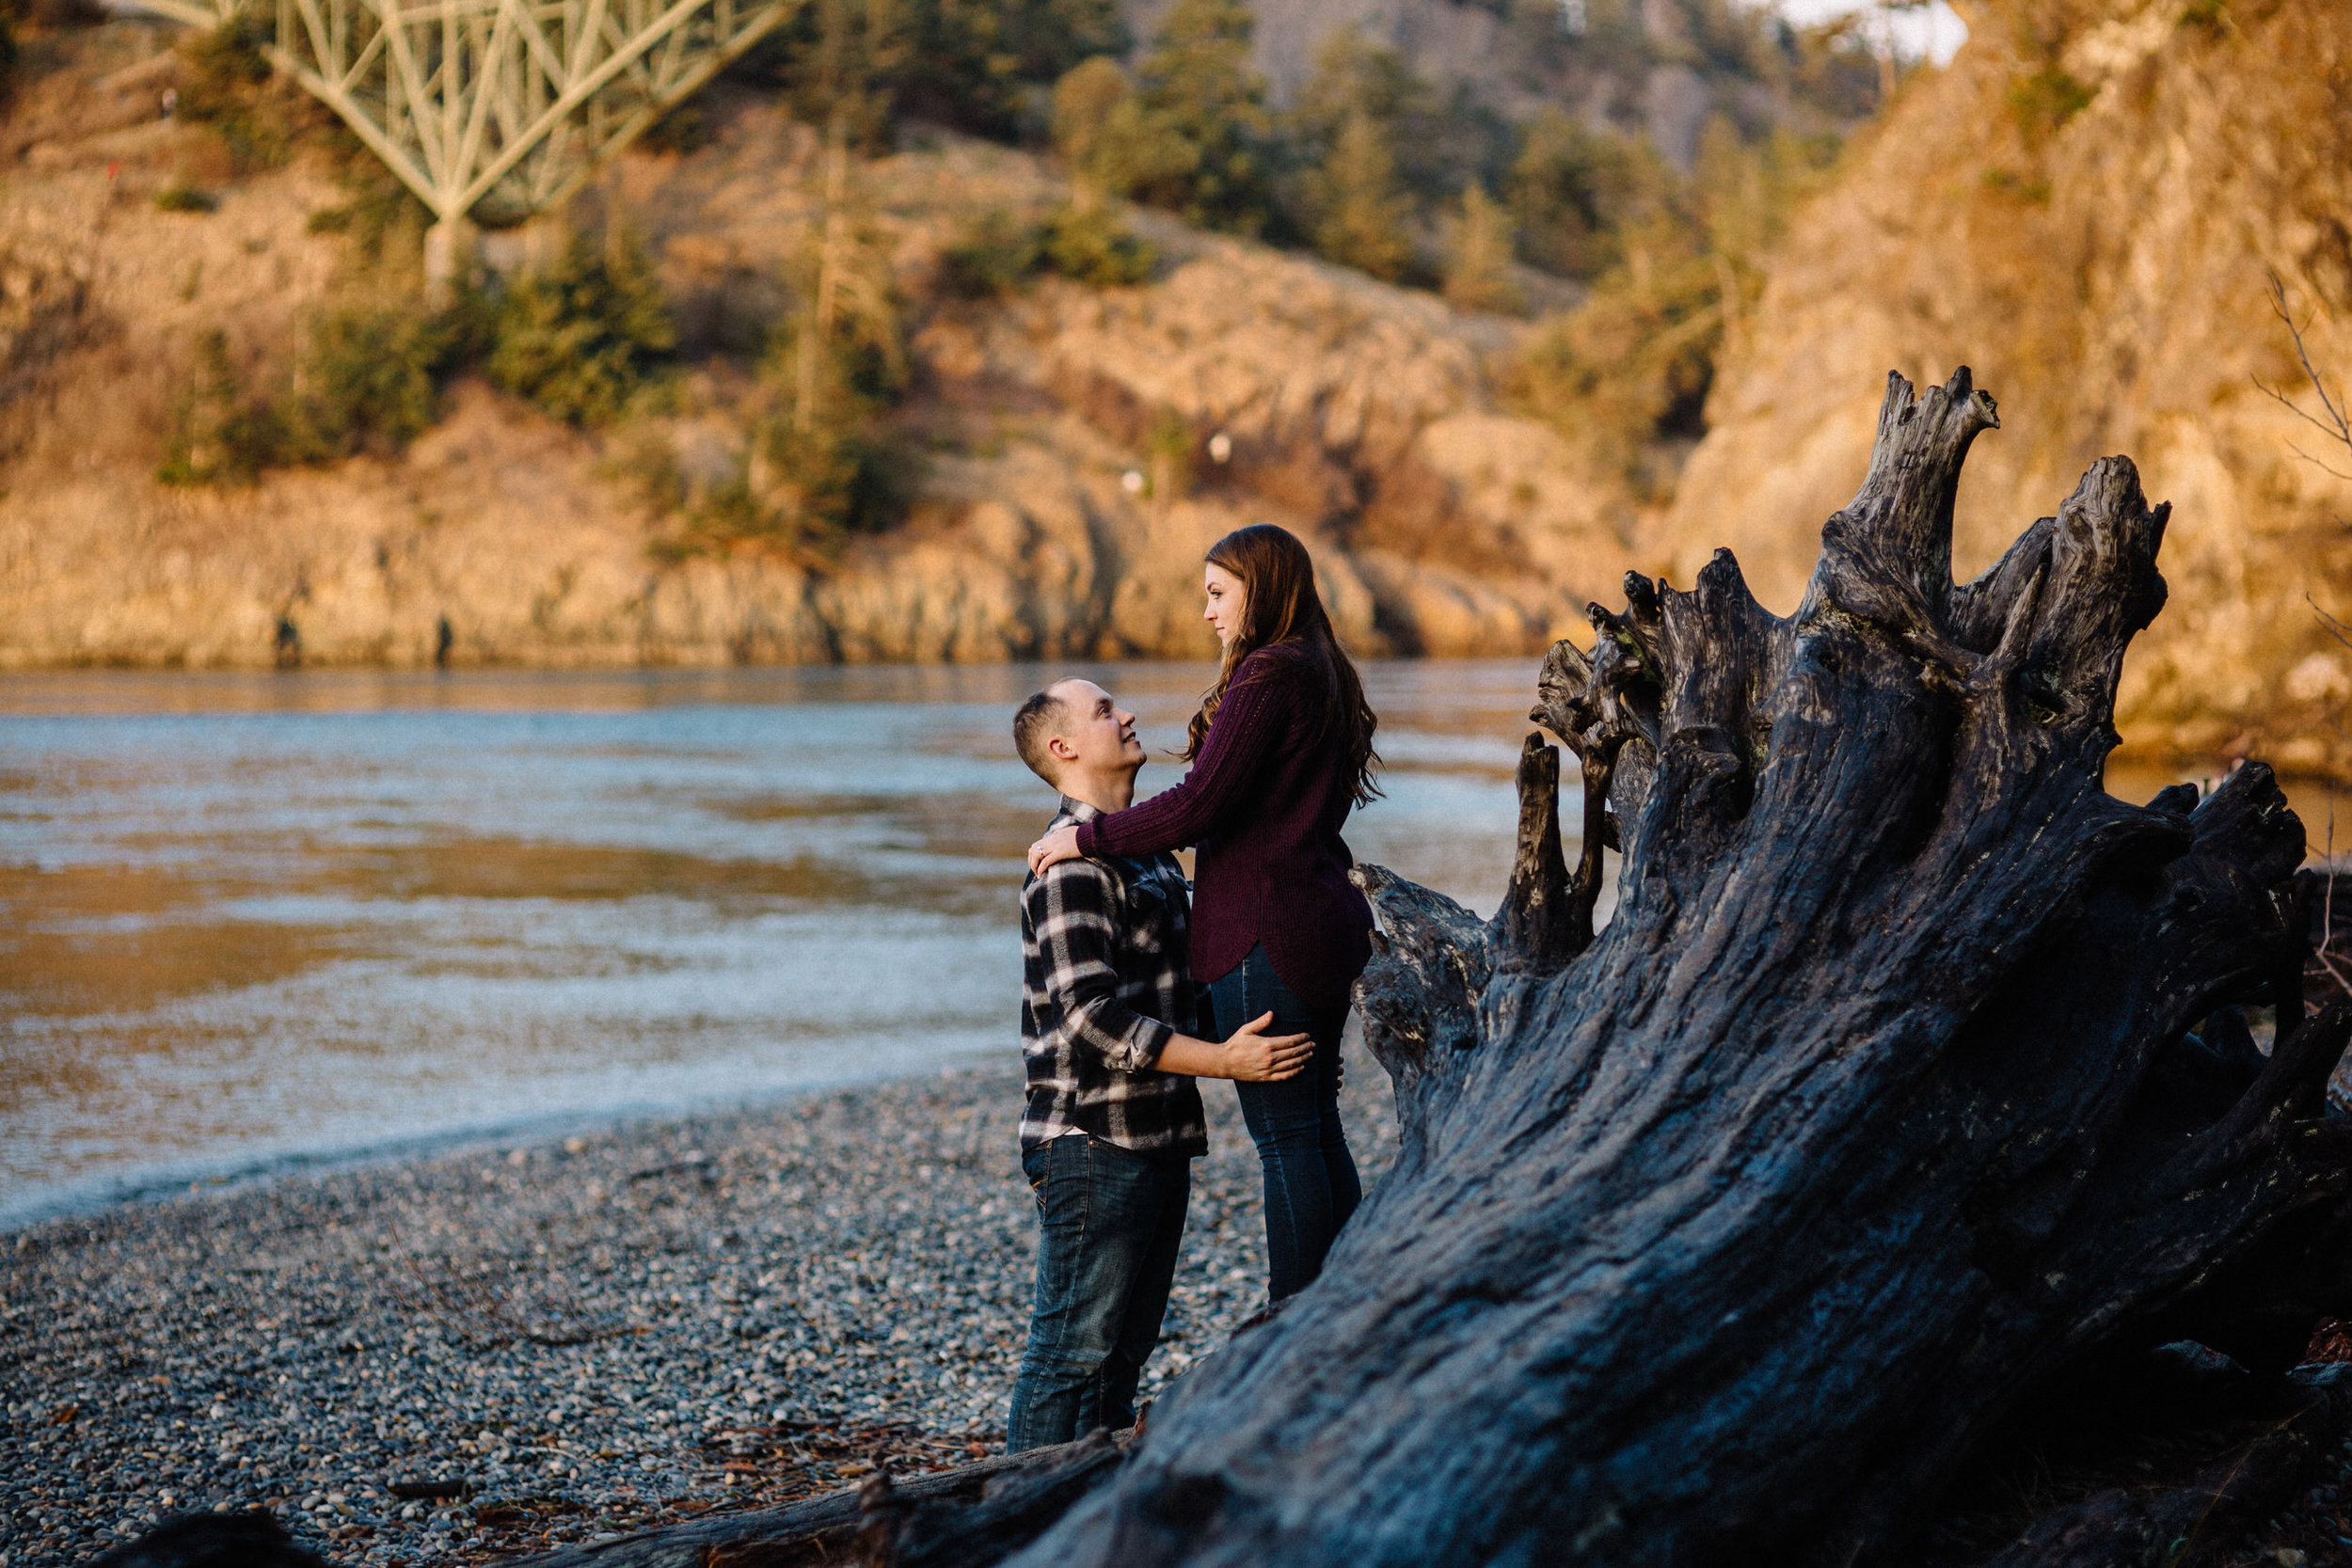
(1263,803)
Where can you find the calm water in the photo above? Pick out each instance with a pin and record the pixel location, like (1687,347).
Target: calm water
(249,918)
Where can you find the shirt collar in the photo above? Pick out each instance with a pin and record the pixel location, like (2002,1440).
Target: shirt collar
(1076,811)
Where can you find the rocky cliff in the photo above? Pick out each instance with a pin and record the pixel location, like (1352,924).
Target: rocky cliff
(2085,207)
(1357,414)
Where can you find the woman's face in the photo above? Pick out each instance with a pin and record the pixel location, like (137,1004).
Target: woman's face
(1229,603)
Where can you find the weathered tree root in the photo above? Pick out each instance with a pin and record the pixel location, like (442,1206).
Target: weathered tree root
(1724,1237)
(1911,1075)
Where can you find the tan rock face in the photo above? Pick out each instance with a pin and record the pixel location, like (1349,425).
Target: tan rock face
(2106,279)
(1072,482)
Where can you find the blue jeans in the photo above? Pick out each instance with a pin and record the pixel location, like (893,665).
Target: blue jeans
(1310,1183)
(1109,1222)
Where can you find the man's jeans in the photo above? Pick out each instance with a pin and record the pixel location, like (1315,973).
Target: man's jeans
(1310,1182)
(1110,1224)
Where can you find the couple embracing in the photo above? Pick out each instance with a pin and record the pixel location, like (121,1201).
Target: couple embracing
(1115,1027)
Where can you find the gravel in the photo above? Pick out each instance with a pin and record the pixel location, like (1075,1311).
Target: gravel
(578,1339)
(573,1338)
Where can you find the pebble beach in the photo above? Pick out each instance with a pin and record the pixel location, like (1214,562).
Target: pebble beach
(500,1348)
(495,1349)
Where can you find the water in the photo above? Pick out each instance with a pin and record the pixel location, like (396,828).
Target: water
(249,919)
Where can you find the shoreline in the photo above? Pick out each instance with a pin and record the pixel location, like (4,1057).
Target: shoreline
(91,1197)
(416,681)
(574,1336)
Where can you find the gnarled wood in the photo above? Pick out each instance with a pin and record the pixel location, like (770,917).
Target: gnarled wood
(1877,1101)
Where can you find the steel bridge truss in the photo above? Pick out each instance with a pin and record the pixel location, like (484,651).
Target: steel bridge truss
(498,109)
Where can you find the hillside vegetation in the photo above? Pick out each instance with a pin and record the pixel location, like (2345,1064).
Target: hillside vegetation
(929,332)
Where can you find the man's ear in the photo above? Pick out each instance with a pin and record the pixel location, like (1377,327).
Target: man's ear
(1060,747)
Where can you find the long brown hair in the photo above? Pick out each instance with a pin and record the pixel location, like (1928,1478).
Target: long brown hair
(1280,605)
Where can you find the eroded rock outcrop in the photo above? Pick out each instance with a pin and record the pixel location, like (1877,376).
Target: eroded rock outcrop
(2085,207)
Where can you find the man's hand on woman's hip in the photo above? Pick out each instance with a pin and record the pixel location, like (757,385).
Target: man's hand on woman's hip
(1248,1054)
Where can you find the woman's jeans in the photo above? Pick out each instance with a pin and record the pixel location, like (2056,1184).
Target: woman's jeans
(1110,1224)
(1310,1184)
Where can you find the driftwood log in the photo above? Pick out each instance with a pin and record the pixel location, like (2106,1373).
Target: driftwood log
(1722,1238)
(1912,1074)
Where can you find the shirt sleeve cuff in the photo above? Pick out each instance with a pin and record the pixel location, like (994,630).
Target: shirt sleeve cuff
(1150,1042)
(1089,841)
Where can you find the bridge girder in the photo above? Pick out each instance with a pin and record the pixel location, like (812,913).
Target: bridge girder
(497,109)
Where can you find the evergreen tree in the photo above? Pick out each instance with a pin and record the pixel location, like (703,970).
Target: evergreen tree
(844,63)
(1113,146)
(1478,270)
(219,432)
(973,62)
(579,337)
(822,466)
(1362,216)
(365,382)
(1571,193)
(1046,37)
(1198,143)
(1355,77)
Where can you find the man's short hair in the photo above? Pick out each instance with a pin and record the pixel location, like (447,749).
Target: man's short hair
(1038,721)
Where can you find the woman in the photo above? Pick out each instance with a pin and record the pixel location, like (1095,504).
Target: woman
(1281,750)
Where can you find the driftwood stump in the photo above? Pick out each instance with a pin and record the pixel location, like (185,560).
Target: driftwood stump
(1888,1091)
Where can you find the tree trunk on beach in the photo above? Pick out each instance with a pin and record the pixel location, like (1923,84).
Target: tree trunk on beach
(1910,1077)
(1908,1074)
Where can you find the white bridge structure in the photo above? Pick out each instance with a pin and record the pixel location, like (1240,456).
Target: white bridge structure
(494,108)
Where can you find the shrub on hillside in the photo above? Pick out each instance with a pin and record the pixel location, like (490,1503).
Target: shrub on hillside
(1573,195)
(367,380)
(380,215)
(227,88)
(1357,213)
(996,255)
(1088,245)
(181,197)
(1367,131)
(2042,103)
(999,255)
(983,68)
(980,66)
(840,63)
(219,431)
(580,336)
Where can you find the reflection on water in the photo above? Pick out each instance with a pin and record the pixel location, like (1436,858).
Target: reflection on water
(247,917)
(244,918)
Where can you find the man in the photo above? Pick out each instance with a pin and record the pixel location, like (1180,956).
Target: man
(1113,1120)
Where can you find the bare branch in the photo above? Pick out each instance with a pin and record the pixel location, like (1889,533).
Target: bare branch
(2337,426)
(2330,623)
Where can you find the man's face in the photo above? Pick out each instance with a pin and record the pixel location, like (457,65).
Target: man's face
(1097,733)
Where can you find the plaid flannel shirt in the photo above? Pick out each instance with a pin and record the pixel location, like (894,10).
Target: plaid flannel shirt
(1105,985)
